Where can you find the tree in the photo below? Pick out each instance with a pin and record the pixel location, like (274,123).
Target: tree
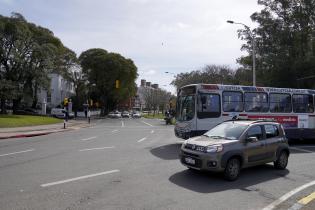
(28,54)
(103,69)
(209,74)
(285,43)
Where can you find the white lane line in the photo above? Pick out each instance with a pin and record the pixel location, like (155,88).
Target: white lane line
(13,153)
(288,195)
(152,131)
(114,131)
(122,124)
(90,138)
(78,178)
(147,123)
(96,148)
(141,140)
(301,150)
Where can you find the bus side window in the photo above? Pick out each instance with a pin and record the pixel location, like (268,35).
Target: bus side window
(303,103)
(208,105)
(232,101)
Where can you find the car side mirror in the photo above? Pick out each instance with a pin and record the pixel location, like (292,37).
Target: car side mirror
(251,139)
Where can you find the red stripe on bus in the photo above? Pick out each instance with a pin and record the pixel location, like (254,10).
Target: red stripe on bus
(210,87)
(225,114)
(243,115)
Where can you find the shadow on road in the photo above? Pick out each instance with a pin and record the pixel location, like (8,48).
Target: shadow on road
(204,182)
(167,152)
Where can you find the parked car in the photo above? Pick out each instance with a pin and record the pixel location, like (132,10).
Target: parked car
(60,113)
(27,111)
(136,114)
(115,114)
(233,145)
(125,114)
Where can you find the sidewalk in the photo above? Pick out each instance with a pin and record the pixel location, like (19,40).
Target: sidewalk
(30,131)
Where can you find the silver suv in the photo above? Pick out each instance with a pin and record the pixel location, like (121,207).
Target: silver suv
(236,144)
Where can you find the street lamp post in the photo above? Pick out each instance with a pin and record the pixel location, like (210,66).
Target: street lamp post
(253,47)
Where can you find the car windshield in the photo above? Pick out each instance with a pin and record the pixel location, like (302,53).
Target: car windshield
(227,130)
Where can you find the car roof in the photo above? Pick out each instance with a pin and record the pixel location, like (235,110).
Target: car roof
(252,121)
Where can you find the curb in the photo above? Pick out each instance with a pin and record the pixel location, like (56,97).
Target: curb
(25,135)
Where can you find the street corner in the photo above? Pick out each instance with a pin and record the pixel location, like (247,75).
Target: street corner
(305,203)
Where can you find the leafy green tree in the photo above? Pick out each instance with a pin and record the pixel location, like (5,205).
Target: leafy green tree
(285,43)
(28,54)
(102,69)
(209,74)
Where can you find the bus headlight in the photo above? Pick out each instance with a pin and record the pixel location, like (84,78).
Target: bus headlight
(214,148)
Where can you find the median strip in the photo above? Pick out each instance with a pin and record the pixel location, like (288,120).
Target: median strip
(13,153)
(78,178)
(288,195)
(304,201)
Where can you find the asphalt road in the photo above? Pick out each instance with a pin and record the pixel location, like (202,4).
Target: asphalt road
(133,164)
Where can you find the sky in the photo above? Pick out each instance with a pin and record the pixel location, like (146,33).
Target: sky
(158,35)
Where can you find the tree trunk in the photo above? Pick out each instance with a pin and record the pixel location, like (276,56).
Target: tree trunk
(3,109)
(16,104)
(35,98)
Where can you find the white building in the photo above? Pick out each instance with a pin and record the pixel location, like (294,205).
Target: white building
(59,89)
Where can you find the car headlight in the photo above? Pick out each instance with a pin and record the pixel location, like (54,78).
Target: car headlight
(214,148)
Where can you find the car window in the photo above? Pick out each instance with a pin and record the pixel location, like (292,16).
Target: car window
(255,131)
(271,131)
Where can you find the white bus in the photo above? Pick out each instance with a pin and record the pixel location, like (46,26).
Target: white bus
(202,106)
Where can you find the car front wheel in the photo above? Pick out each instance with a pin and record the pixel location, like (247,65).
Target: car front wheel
(232,169)
(282,161)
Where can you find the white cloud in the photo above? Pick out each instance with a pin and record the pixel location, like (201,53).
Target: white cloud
(193,33)
(182,25)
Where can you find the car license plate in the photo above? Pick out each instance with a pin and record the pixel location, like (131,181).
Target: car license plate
(190,161)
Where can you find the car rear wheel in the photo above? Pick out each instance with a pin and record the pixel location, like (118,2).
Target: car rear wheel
(282,161)
(232,169)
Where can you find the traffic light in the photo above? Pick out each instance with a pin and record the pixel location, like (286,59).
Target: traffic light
(65,101)
(117,84)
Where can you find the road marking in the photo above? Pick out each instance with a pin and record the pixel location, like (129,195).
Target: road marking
(141,140)
(288,195)
(122,124)
(301,150)
(13,153)
(304,201)
(147,123)
(152,131)
(307,199)
(90,138)
(307,146)
(78,178)
(114,131)
(96,148)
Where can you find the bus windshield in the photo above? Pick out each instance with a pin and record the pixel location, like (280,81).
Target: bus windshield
(185,108)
